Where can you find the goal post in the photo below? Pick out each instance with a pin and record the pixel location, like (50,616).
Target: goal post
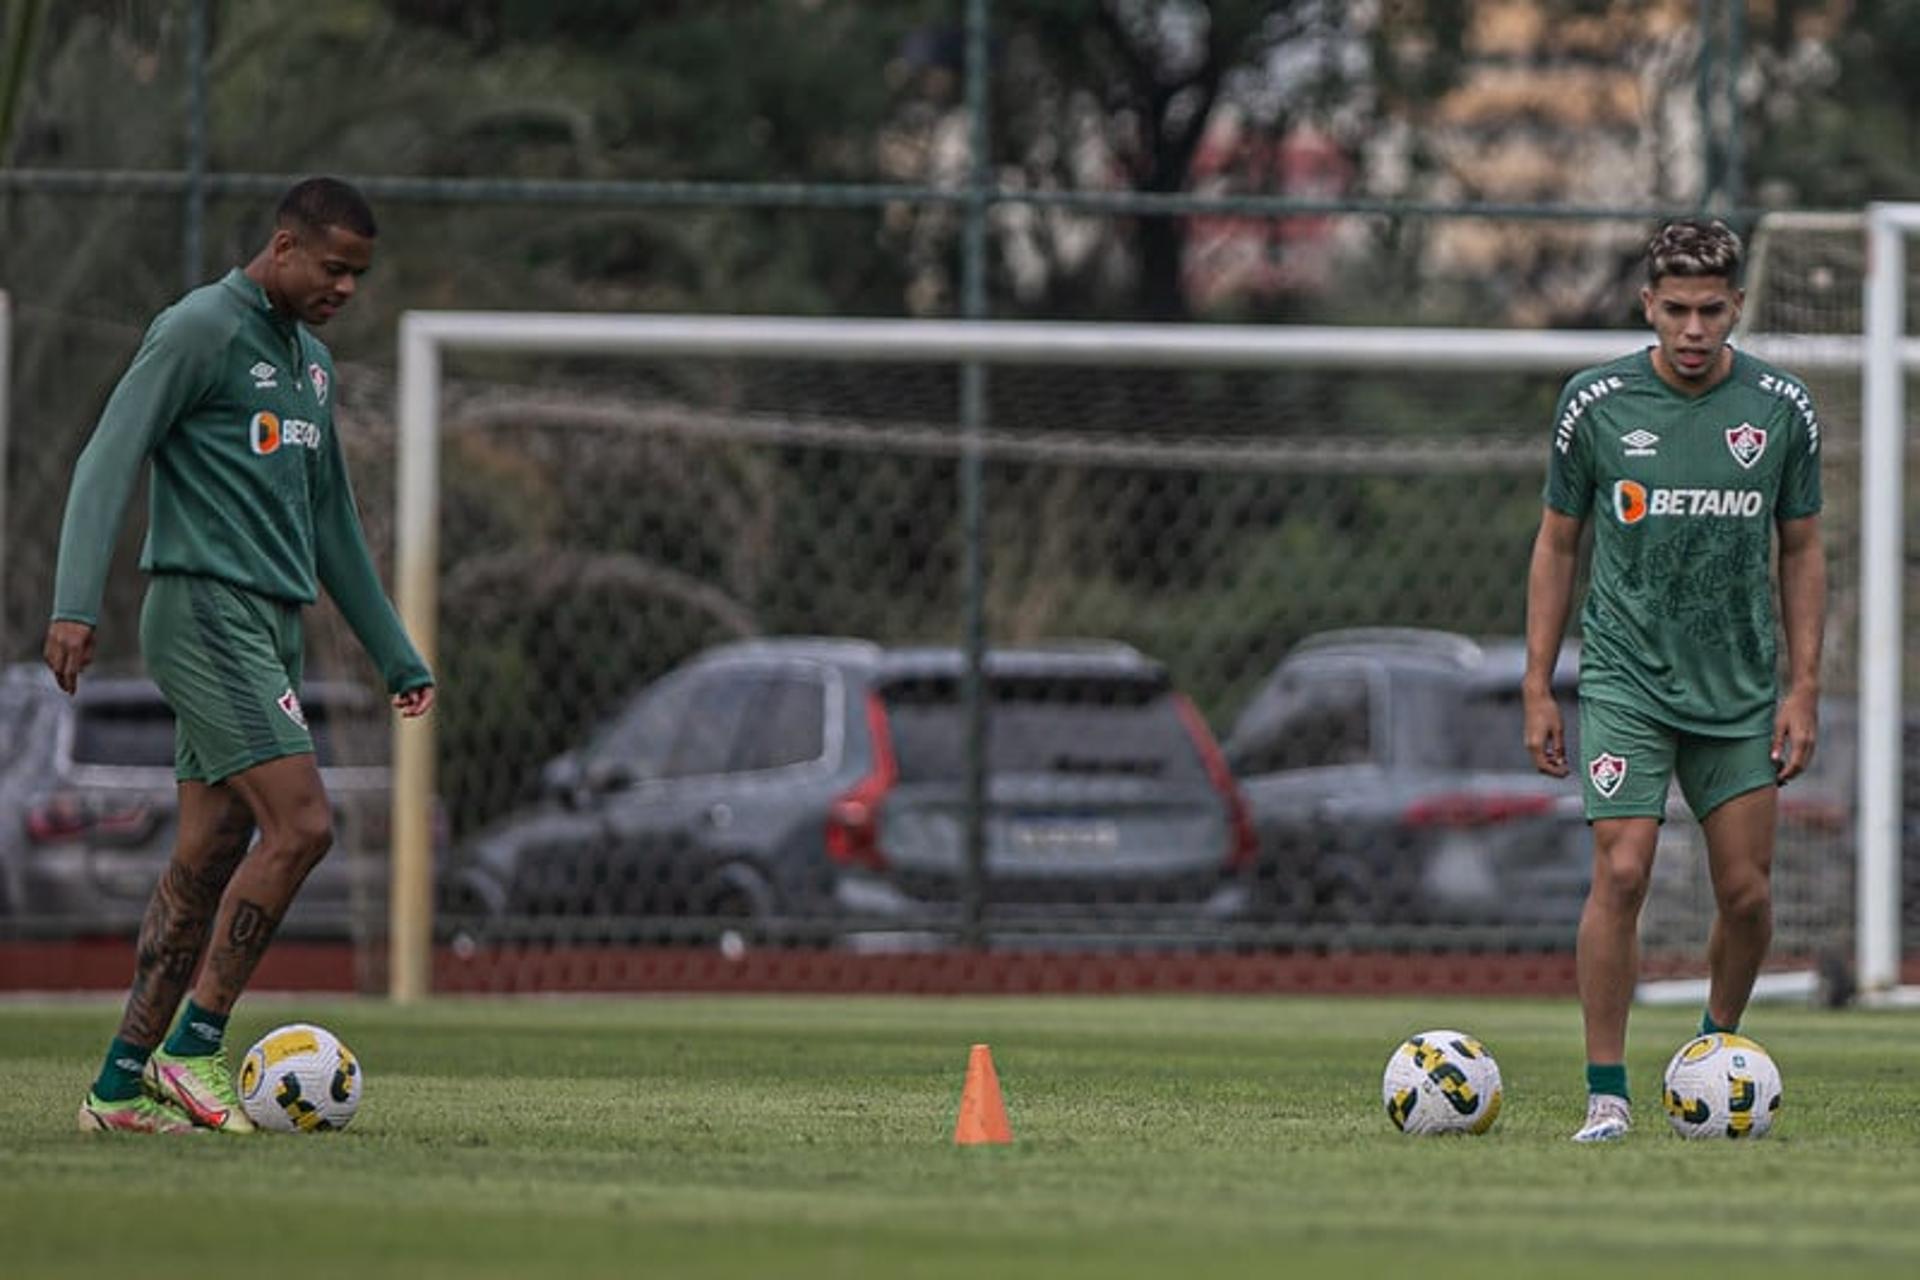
(1883,472)
(1847,273)
(1452,358)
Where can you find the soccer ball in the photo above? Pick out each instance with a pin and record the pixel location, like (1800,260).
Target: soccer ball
(300,1078)
(1722,1086)
(1442,1082)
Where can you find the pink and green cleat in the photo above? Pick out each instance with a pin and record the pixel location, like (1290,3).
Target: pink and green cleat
(132,1115)
(202,1087)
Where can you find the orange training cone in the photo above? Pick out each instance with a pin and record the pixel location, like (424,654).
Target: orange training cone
(983,1116)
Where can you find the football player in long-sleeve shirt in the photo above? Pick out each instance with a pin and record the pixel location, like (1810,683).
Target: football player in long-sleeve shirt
(230,399)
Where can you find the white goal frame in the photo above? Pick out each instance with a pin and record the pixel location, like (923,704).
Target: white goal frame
(1883,458)
(426,337)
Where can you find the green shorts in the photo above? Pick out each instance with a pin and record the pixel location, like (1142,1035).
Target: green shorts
(1629,758)
(228,662)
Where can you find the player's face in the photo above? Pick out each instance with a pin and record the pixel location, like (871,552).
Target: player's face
(1692,316)
(318,272)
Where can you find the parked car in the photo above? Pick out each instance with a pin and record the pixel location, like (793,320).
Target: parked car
(1388,783)
(817,789)
(87,791)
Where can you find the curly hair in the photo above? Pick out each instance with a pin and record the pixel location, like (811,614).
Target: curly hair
(1694,248)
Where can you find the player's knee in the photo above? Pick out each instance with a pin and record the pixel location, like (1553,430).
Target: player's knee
(301,842)
(314,837)
(1748,899)
(1621,880)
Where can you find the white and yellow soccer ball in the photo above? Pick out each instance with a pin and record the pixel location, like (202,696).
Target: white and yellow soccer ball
(300,1079)
(1722,1086)
(1442,1082)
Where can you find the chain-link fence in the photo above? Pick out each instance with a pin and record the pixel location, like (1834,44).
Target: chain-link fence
(703,625)
(1251,679)
(608,522)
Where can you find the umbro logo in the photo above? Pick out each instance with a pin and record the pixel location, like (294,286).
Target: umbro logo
(1639,444)
(264,375)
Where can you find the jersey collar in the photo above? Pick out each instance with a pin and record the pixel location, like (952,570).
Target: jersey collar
(256,297)
(1734,370)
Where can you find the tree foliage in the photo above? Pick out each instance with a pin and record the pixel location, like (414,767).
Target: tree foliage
(1153,96)
(1831,103)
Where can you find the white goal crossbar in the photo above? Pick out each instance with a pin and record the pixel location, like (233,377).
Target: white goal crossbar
(426,336)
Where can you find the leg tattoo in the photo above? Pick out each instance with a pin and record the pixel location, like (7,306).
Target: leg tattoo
(237,953)
(172,936)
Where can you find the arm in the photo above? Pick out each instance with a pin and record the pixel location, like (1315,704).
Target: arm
(1803,610)
(346,571)
(1550,577)
(175,367)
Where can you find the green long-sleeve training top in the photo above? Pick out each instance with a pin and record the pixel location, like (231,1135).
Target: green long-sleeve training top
(233,404)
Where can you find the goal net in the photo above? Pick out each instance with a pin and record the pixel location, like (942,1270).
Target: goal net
(705,596)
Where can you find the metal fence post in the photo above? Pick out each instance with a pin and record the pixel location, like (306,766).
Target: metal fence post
(192,247)
(973,414)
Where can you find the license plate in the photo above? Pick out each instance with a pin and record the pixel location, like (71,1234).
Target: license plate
(1066,838)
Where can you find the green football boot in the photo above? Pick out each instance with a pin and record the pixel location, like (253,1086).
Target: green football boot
(202,1087)
(132,1115)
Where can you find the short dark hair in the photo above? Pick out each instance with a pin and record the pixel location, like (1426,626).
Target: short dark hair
(1694,247)
(318,203)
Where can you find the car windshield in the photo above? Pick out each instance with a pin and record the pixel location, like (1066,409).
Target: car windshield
(1492,731)
(1077,726)
(1312,720)
(124,732)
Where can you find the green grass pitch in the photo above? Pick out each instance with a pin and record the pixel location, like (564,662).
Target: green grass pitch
(811,1136)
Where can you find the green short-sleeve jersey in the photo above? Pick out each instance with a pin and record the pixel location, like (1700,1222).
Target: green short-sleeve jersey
(1684,493)
(232,404)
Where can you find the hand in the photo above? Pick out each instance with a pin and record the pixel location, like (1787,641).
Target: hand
(1795,730)
(414,702)
(1546,735)
(68,651)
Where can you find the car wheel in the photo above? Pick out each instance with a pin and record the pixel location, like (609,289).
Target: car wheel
(466,917)
(739,902)
(1284,903)
(1345,900)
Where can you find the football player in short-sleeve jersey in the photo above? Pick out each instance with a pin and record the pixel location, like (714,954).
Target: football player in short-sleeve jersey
(1691,460)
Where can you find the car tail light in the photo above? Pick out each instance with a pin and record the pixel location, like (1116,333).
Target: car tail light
(853,820)
(66,816)
(1243,847)
(1476,809)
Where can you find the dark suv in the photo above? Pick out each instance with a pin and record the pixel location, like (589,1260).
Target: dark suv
(88,790)
(813,789)
(1389,784)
